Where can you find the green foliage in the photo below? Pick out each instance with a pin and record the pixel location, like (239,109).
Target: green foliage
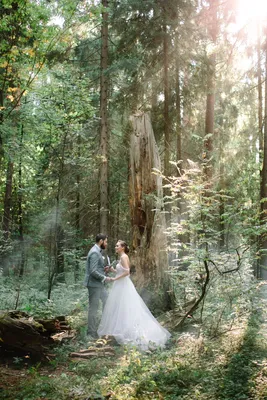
(222,274)
(194,367)
(18,360)
(39,306)
(66,298)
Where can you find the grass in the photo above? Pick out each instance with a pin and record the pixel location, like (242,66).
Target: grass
(231,367)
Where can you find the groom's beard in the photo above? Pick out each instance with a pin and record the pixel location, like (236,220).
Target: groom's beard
(102,246)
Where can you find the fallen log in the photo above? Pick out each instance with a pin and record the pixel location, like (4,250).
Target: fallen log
(91,354)
(22,333)
(100,348)
(95,348)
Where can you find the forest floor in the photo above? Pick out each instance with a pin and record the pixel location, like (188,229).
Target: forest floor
(232,366)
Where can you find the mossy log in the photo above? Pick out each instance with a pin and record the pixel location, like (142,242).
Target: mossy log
(20,332)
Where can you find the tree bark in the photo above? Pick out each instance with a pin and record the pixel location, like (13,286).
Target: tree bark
(257,269)
(166,119)
(20,212)
(104,211)
(1,122)
(77,217)
(77,226)
(259,77)
(20,332)
(145,196)
(178,107)
(7,199)
(210,101)
(264,174)
(222,201)
(58,227)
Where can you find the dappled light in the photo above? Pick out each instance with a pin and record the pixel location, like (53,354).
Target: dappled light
(133,200)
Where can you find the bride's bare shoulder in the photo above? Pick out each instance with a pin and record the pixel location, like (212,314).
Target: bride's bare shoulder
(125,260)
(125,256)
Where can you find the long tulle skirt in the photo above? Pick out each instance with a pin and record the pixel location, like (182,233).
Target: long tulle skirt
(127,318)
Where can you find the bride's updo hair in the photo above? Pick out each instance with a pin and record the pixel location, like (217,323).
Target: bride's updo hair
(125,246)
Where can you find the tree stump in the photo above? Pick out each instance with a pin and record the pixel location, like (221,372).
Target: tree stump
(146,206)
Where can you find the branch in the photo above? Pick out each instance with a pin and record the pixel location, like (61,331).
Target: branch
(233,269)
(238,262)
(203,294)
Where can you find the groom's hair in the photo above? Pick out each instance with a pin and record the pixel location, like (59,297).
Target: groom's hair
(100,236)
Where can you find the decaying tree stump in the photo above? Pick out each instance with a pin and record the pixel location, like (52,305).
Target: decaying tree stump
(20,332)
(146,205)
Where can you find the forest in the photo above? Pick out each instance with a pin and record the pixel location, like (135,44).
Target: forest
(145,120)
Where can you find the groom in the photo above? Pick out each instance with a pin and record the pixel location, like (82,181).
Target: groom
(94,281)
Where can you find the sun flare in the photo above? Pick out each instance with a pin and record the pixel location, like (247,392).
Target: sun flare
(249,9)
(250,16)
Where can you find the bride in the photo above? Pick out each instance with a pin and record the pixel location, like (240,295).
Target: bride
(126,316)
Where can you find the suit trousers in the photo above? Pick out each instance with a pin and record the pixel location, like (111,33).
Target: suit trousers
(95,295)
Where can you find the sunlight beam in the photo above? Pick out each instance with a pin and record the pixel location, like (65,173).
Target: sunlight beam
(248,9)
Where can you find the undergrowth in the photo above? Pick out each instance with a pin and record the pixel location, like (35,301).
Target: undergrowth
(230,367)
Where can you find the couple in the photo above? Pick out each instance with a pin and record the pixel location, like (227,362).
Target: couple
(125,315)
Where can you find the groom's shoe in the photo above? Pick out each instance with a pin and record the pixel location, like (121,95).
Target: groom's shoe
(92,336)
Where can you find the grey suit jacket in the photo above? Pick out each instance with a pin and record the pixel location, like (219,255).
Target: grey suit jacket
(94,276)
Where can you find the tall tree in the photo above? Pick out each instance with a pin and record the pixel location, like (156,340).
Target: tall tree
(178,102)
(264,173)
(212,27)
(104,122)
(7,199)
(20,206)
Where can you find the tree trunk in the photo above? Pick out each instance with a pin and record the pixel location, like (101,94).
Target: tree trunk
(20,212)
(260,128)
(50,263)
(222,201)
(104,123)
(210,102)
(264,175)
(145,195)
(259,73)
(7,200)
(1,122)
(77,220)
(59,230)
(59,252)
(178,108)
(182,211)
(7,217)
(166,119)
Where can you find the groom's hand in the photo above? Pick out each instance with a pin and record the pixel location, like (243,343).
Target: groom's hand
(107,268)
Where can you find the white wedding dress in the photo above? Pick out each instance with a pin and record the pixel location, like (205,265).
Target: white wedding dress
(127,318)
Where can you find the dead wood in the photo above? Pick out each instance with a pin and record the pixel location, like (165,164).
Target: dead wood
(100,348)
(93,353)
(22,333)
(146,204)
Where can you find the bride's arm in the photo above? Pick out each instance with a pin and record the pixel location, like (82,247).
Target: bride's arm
(125,263)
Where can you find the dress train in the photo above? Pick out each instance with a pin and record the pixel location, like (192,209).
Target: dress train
(127,318)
